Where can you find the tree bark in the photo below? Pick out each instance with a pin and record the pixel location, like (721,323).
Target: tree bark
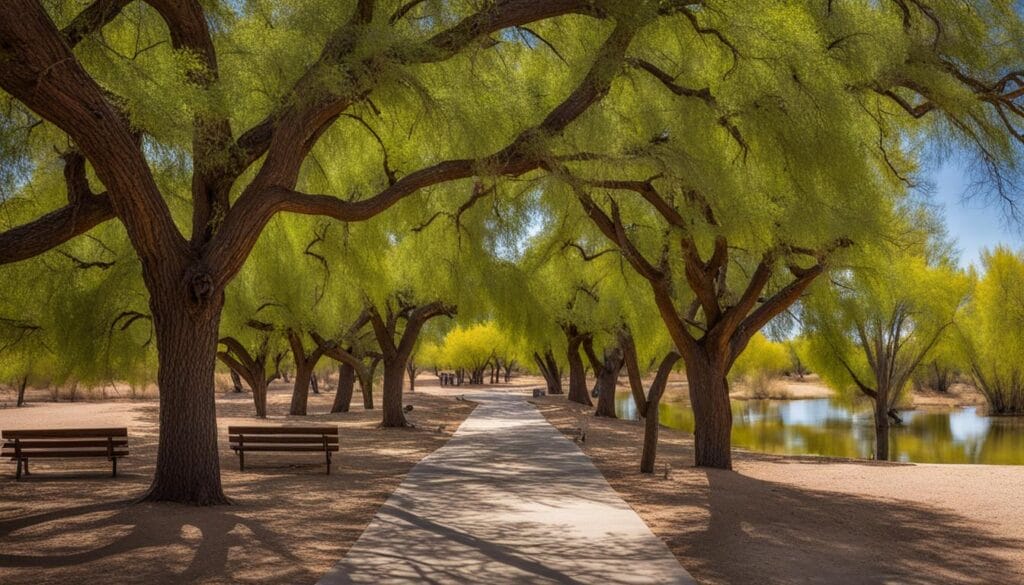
(882,425)
(577,374)
(606,373)
(188,459)
(709,397)
(366,386)
(21,391)
(394,375)
(636,384)
(346,387)
(411,369)
(304,366)
(236,381)
(555,383)
(652,424)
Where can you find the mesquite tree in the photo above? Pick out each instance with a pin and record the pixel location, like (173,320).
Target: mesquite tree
(770,159)
(872,327)
(260,101)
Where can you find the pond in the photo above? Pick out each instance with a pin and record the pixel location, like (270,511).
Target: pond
(824,426)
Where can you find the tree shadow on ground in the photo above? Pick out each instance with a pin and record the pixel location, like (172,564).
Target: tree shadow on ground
(290,522)
(730,527)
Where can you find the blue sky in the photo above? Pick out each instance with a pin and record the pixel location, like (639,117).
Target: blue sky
(976,224)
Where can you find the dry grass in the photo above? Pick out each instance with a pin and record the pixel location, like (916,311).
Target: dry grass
(784,519)
(72,523)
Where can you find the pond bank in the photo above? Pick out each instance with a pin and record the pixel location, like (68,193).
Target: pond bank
(791,519)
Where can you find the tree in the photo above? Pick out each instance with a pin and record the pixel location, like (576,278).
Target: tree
(121,115)
(397,343)
(718,227)
(875,326)
(991,337)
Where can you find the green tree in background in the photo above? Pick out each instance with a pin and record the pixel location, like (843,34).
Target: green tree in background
(872,327)
(992,334)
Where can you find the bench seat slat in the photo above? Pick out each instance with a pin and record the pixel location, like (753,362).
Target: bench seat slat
(307,430)
(307,439)
(35,454)
(78,443)
(63,433)
(286,448)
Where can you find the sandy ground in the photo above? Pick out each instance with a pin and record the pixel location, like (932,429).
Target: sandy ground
(784,519)
(72,523)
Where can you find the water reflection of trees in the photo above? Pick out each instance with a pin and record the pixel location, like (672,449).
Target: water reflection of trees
(829,428)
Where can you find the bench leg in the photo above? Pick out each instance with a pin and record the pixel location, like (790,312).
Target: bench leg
(241,460)
(328,462)
(113,460)
(17,474)
(26,467)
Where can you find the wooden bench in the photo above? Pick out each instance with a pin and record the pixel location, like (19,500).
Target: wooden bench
(22,445)
(283,439)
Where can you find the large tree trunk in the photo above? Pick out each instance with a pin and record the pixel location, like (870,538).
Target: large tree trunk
(188,459)
(652,424)
(577,374)
(21,391)
(394,374)
(346,387)
(709,397)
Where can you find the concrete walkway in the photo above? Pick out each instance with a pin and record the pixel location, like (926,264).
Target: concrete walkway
(509,499)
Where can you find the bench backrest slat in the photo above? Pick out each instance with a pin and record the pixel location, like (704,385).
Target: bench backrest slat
(63,433)
(66,443)
(307,430)
(283,439)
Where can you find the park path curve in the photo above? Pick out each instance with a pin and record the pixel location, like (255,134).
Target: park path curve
(508,499)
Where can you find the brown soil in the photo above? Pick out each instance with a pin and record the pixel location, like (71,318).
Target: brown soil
(785,519)
(72,523)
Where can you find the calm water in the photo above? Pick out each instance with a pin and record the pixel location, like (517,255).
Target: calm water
(823,426)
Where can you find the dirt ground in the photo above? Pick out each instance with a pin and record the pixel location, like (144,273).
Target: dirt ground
(785,519)
(72,523)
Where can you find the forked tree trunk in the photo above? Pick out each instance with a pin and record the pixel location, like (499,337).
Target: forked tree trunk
(577,374)
(346,387)
(188,459)
(652,424)
(21,391)
(709,397)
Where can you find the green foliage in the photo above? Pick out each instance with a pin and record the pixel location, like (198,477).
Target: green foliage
(875,325)
(992,337)
(762,357)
